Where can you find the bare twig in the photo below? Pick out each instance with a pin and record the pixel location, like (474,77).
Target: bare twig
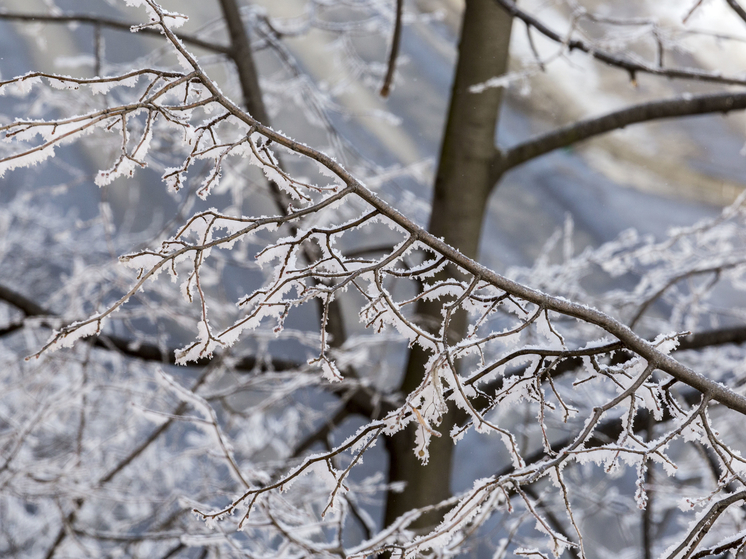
(108,23)
(691,11)
(394,51)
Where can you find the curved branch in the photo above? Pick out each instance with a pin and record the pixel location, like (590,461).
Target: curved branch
(572,361)
(363,402)
(619,61)
(702,527)
(729,544)
(584,129)
(111,24)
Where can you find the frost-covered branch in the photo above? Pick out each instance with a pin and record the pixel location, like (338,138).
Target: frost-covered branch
(246,463)
(632,66)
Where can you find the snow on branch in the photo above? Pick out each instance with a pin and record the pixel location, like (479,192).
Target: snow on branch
(621,60)
(518,340)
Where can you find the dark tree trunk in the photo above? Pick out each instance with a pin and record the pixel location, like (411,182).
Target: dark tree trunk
(462,186)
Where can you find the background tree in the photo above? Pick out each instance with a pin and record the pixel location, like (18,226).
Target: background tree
(441,370)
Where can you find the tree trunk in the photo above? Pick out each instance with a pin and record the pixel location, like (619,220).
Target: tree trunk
(244,60)
(462,186)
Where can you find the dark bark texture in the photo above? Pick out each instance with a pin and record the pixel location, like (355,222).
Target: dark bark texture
(462,186)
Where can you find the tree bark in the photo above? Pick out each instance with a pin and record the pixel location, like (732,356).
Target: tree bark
(462,186)
(240,52)
(576,132)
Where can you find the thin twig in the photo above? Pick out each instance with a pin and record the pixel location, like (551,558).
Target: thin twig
(394,51)
(110,23)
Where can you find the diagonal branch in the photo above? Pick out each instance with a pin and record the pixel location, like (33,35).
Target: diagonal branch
(737,8)
(111,24)
(584,129)
(624,334)
(612,59)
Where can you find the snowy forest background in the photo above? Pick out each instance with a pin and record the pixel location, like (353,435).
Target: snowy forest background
(568,382)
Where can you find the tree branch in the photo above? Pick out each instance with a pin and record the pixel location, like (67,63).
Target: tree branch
(619,61)
(699,340)
(737,8)
(708,338)
(133,348)
(22,303)
(240,53)
(608,430)
(394,53)
(584,129)
(630,339)
(362,402)
(359,401)
(69,519)
(111,24)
